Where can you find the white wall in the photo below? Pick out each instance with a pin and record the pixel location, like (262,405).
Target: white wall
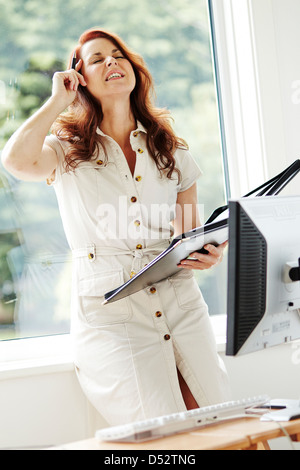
(41,402)
(277,36)
(41,410)
(275,372)
(286,24)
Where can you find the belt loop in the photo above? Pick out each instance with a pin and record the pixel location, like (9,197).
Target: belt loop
(91,252)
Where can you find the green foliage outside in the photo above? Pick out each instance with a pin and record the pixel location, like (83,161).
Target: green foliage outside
(173,36)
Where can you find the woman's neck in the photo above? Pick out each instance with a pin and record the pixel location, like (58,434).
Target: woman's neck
(118,122)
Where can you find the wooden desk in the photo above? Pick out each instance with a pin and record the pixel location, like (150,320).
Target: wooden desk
(239,434)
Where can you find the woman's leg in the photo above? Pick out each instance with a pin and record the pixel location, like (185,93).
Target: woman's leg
(188,398)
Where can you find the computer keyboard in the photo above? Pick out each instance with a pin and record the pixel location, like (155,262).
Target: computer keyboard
(166,425)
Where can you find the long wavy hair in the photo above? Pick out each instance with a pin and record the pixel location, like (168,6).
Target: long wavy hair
(79,123)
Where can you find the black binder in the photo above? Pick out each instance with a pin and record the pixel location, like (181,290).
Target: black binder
(214,231)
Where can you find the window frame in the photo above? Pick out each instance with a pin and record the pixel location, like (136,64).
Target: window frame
(248,77)
(238,90)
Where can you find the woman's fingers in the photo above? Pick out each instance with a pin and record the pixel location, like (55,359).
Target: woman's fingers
(74,79)
(204,261)
(65,85)
(79,74)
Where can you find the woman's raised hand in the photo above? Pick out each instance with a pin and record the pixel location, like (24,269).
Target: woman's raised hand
(65,85)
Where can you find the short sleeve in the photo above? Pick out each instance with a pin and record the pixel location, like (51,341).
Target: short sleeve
(189,169)
(58,146)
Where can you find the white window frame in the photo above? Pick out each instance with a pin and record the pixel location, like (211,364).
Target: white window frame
(248,79)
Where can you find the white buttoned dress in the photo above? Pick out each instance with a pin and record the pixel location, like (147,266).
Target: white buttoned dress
(127,353)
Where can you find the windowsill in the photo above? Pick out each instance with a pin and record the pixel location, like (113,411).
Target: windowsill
(33,356)
(53,354)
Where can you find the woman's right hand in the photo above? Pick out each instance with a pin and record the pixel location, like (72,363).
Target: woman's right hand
(65,85)
(26,155)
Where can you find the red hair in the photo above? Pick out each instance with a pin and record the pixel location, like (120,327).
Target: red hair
(79,124)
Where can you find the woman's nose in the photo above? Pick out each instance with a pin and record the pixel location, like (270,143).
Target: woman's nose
(110,61)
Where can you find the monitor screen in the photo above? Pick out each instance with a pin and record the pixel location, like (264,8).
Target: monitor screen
(263,298)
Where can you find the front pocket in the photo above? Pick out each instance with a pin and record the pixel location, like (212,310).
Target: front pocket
(187,291)
(91,298)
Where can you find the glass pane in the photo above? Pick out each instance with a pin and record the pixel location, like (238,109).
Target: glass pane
(36,39)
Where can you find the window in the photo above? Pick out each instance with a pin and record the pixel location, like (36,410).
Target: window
(36,38)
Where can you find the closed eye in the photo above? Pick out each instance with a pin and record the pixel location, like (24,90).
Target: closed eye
(102,60)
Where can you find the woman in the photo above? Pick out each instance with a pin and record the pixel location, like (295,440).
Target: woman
(116,166)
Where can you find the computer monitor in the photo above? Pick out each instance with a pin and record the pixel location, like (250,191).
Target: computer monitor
(263,298)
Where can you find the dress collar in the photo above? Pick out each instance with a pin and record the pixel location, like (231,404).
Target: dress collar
(140,128)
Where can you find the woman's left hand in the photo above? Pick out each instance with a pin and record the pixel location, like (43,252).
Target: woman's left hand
(205,261)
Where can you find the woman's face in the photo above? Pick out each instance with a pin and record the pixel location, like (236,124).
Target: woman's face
(107,72)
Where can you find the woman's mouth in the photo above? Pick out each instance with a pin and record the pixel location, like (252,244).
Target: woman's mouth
(114,76)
